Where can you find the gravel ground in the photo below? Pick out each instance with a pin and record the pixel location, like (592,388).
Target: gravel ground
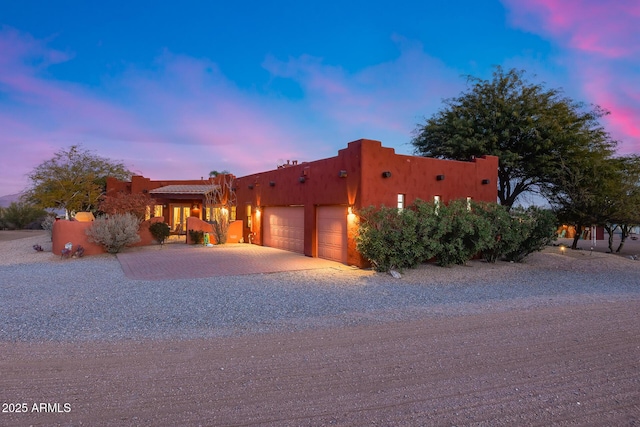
(43,298)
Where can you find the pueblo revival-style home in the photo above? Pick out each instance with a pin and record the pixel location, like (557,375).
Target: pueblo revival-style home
(310,207)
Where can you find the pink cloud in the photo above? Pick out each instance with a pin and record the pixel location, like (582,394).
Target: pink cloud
(601,42)
(607,28)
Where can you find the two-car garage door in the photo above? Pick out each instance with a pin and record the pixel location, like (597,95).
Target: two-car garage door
(283,228)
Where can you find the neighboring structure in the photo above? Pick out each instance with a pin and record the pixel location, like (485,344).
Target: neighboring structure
(311,207)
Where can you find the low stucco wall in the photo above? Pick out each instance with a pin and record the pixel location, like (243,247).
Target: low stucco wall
(196,224)
(74,232)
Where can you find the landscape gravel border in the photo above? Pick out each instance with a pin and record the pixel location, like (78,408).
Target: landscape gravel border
(44,298)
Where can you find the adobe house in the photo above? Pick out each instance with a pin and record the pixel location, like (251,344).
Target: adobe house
(311,207)
(176,200)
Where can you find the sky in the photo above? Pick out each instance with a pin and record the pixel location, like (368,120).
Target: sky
(175,90)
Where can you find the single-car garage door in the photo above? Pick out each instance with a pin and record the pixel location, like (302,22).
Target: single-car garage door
(283,228)
(332,233)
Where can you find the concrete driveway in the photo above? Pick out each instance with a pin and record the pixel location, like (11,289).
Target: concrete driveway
(180,261)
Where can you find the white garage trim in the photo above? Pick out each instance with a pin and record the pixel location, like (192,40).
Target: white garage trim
(283,228)
(332,233)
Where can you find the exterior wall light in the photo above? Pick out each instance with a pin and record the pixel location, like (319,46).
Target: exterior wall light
(342,174)
(250,186)
(302,179)
(272,183)
(386,174)
(486,181)
(440,177)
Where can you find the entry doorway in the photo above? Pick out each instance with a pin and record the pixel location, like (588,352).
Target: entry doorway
(180,213)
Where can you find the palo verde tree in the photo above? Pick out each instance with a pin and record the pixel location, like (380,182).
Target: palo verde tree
(73,180)
(529,127)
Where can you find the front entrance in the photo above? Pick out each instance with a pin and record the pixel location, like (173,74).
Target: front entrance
(180,213)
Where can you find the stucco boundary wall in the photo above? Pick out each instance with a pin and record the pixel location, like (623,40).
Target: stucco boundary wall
(196,224)
(74,232)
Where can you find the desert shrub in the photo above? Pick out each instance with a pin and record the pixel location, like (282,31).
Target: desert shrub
(160,231)
(196,236)
(20,215)
(538,228)
(428,229)
(220,225)
(3,223)
(507,232)
(115,232)
(47,223)
(388,238)
(461,232)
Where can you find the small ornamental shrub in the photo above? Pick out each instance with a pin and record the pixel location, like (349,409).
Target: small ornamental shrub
(160,231)
(538,230)
(196,236)
(220,225)
(115,231)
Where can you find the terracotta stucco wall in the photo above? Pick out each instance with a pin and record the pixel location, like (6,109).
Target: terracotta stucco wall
(234,235)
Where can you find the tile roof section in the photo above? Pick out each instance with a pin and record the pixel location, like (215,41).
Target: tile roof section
(184,189)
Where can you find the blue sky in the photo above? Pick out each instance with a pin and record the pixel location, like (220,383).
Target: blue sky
(177,90)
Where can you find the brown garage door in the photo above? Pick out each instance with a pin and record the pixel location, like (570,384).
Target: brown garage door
(283,228)
(332,233)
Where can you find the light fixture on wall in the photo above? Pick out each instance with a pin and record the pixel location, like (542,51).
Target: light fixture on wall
(440,177)
(272,183)
(342,174)
(386,174)
(486,181)
(250,186)
(302,179)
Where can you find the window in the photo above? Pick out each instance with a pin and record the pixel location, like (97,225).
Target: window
(469,203)
(232,213)
(248,216)
(436,203)
(401,198)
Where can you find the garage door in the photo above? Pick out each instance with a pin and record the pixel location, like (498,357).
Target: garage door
(332,233)
(283,228)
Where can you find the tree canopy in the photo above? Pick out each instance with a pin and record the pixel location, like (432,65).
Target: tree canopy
(74,180)
(530,128)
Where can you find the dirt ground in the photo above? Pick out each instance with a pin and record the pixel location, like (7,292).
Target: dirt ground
(565,365)
(6,235)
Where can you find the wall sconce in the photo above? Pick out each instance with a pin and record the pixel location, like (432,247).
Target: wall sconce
(145,191)
(486,181)
(272,183)
(302,179)
(342,174)
(350,210)
(250,186)
(440,177)
(386,174)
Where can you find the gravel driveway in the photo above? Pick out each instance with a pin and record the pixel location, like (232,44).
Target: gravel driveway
(481,344)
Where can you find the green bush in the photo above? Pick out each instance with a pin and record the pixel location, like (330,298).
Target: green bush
(507,231)
(538,230)
(20,215)
(115,231)
(462,234)
(160,231)
(388,238)
(196,236)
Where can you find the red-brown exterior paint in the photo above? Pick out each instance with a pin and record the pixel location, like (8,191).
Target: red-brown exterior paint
(74,232)
(234,235)
(355,178)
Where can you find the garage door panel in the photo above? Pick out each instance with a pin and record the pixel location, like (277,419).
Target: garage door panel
(284,228)
(332,233)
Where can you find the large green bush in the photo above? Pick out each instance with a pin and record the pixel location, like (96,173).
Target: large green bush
(115,232)
(462,233)
(451,234)
(388,238)
(538,230)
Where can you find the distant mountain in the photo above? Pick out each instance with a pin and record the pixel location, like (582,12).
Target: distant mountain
(8,199)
